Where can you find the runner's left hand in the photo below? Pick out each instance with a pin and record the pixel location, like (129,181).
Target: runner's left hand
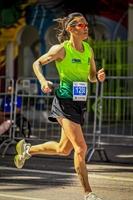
(101,75)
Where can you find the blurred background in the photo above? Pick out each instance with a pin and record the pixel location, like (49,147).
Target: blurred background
(27,31)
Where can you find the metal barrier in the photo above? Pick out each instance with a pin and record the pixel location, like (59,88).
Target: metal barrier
(6,138)
(118,132)
(98,133)
(36,109)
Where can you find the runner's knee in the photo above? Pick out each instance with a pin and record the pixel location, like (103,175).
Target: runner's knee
(81,150)
(62,151)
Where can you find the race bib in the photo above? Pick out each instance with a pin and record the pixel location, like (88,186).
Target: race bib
(79,91)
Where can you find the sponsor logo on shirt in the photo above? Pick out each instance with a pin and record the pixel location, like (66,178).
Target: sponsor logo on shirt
(75,60)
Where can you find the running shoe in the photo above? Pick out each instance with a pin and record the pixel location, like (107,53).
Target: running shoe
(22,153)
(92,196)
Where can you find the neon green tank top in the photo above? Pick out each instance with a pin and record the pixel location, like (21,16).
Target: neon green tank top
(75,67)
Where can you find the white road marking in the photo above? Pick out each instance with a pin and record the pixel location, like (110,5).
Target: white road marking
(68,174)
(18,197)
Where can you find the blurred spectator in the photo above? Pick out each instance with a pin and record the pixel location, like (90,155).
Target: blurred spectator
(7,102)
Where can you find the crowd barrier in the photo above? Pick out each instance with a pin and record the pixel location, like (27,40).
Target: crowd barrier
(35,127)
(117,130)
(4,82)
(36,107)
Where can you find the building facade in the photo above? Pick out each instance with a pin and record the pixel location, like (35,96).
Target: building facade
(27,31)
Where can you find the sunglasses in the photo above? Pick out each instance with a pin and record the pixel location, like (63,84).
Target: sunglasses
(83,25)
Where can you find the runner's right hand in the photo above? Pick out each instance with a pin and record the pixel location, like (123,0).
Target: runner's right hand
(45,86)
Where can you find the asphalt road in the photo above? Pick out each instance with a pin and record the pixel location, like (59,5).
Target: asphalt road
(54,178)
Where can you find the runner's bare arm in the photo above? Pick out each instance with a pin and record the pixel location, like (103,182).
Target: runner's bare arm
(56,52)
(94,75)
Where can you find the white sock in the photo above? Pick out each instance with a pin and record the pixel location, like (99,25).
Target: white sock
(27,151)
(88,194)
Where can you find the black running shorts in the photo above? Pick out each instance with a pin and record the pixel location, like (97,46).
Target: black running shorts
(72,110)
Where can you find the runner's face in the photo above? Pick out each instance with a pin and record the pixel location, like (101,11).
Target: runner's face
(79,28)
